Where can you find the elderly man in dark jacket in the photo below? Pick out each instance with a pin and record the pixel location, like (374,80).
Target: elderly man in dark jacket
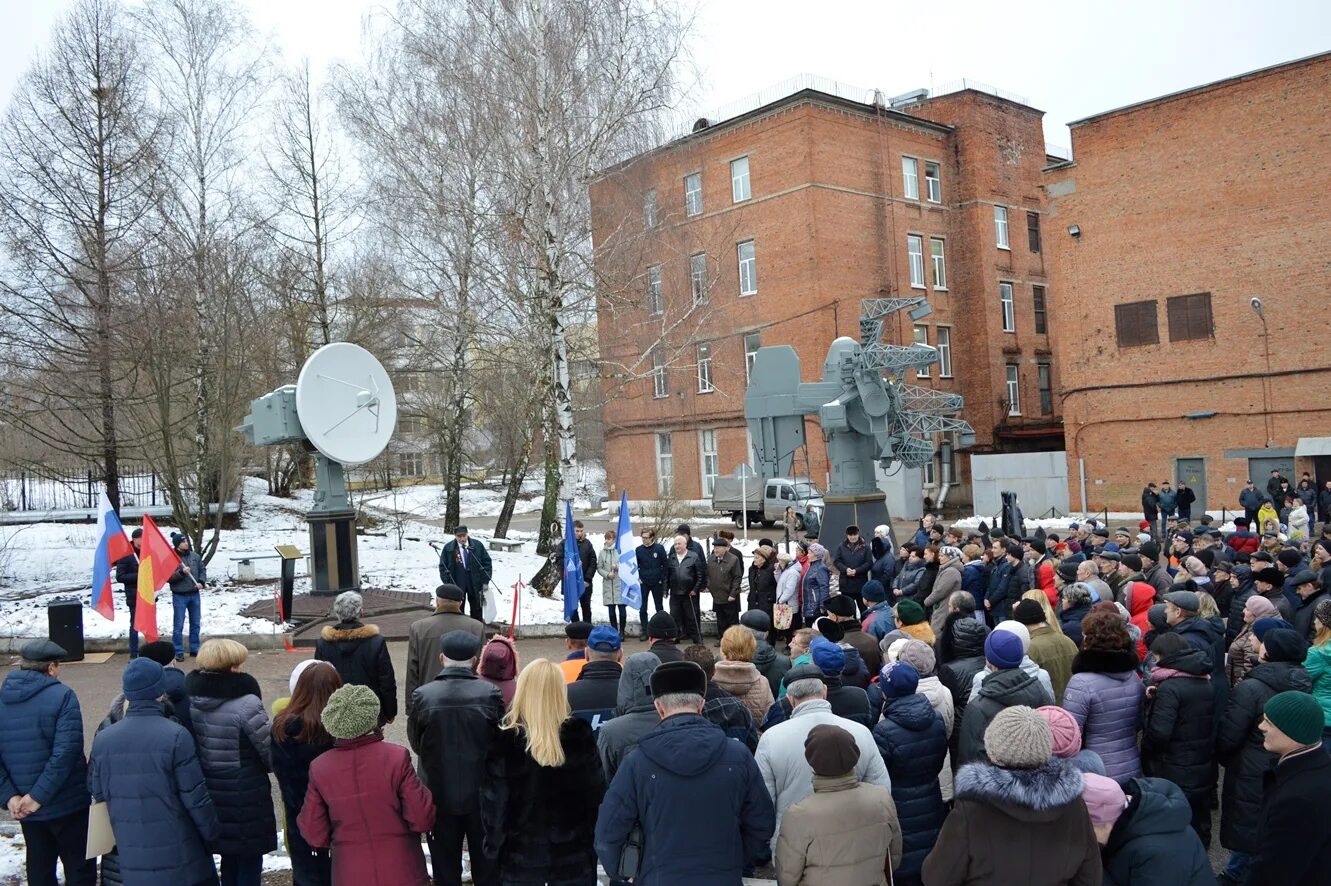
(725,575)
(424,633)
(686,577)
(146,770)
(465,562)
(684,766)
(127,573)
(594,695)
(359,652)
(451,727)
(43,777)
(853,560)
(635,713)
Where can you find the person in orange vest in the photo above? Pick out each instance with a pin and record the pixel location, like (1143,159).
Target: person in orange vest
(576,633)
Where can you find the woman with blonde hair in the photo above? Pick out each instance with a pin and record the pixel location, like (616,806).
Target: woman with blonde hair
(542,786)
(737,674)
(1050,617)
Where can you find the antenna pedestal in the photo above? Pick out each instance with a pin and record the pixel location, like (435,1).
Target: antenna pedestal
(864,511)
(332,523)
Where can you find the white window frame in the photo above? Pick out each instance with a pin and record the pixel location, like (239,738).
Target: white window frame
(929,478)
(705,385)
(1009,309)
(1001,228)
(938,256)
(1014,389)
(708,458)
(740,189)
(650,209)
(944,346)
(698,277)
(665,464)
(748,268)
(933,184)
(655,296)
(910,178)
(915,254)
(660,389)
(921,334)
(693,195)
(755,338)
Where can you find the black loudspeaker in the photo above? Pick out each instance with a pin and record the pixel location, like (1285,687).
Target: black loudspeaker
(65,626)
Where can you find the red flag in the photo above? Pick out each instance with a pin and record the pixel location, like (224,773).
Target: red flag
(157,562)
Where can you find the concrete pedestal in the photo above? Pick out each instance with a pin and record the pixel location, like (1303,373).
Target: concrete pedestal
(334,565)
(864,511)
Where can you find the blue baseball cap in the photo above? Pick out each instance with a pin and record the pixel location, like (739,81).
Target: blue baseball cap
(604,639)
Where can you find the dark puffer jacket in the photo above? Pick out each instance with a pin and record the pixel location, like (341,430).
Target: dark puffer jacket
(291,765)
(1238,745)
(762,586)
(1151,843)
(41,744)
(1000,689)
(453,722)
(771,664)
(960,652)
(231,732)
(540,821)
(145,767)
(1178,738)
(1105,696)
(1071,619)
(913,741)
(361,657)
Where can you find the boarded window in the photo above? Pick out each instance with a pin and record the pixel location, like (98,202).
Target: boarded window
(1189,316)
(1033,230)
(1135,324)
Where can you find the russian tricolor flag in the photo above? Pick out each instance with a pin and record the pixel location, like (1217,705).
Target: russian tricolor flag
(112,545)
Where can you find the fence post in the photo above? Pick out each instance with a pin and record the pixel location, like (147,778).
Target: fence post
(23,490)
(91,502)
(153,489)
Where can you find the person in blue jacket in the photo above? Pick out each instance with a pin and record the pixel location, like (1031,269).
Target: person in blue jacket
(43,776)
(146,770)
(973,580)
(684,767)
(653,567)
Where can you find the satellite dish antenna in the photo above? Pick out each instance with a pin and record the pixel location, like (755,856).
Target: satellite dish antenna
(345,402)
(343,405)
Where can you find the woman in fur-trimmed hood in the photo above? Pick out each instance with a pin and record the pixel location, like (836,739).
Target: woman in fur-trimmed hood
(1019,818)
(359,653)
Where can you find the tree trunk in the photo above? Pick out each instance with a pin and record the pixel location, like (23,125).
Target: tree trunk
(517,475)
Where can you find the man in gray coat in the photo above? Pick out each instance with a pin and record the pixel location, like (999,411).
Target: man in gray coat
(423,637)
(635,713)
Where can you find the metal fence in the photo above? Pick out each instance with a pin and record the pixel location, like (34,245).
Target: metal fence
(56,489)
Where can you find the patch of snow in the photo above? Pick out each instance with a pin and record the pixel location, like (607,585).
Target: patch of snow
(13,863)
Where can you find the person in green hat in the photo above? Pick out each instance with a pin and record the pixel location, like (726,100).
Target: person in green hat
(364,800)
(1293,830)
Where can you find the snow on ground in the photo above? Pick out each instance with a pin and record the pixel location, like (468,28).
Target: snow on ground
(1116,518)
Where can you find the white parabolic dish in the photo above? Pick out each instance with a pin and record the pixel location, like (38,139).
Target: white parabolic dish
(346,403)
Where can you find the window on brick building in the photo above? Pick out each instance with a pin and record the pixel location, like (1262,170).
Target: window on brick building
(922,338)
(1013,389)
(649,215)
(929,474)
(915,250)
(711,462)
(705,368)
(910,178)
(1135,324)
(693,194)
(752,342)
(944,345)
(698,277)
(665,465)
(1009,312)
(1189,316)
(659,375)
(1045,377)
(655,299)
(933,183)
(940,264)
(1033,230)
(1000,226)
(748,268)
(1041,316)
(739,180)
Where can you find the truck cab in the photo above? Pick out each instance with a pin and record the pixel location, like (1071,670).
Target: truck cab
(764,500)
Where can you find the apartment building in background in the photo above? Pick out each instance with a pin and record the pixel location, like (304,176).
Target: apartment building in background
(769,225)
(1173,216)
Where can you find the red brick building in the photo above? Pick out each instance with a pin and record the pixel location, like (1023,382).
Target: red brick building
(1174,214)
(770,226)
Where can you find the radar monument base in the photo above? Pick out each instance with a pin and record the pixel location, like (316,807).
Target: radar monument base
(333,557)
(864,511)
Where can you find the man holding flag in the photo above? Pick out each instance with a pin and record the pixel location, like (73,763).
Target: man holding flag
(113,549)
(127,573)
(157,563)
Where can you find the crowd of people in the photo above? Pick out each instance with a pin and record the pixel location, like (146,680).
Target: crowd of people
(970,706)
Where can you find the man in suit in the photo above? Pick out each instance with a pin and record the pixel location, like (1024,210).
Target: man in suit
(466,563)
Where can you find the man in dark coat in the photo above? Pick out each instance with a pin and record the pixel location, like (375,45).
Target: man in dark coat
(841,609)
(359,652)
(1181,608)
(1250,499)
(1142,826)
(682,767)
(127,573)
(725,575)
(451,725)
(594,695)
(1151,505)
(1324,503)
(1178,725)
(1275,488)
(853,560)
(162,652)
(466,563)
(652,567)
(1006,685)
(423,637)
(1293,831)
(664,636)
(43,777)
(145,768)
(635,714)
(770,663)
(1308,589)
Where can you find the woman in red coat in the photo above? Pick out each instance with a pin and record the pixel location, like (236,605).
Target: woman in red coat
(364,800)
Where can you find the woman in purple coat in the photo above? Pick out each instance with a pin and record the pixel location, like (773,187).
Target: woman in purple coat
(1105,694)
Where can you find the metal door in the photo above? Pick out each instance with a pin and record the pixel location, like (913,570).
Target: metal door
(1259,470)
(1192,471)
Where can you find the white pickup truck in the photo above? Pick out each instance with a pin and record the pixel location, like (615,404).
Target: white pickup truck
(765,499)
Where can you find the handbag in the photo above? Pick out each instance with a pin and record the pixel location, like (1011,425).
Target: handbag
(630,859)
(782,615)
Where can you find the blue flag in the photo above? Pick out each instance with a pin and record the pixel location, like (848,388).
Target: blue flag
(574,583)
(630,589)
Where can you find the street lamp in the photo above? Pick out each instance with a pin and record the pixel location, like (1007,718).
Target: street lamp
(1256,304)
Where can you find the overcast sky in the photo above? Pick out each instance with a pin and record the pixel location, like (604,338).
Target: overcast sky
(1068,61)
